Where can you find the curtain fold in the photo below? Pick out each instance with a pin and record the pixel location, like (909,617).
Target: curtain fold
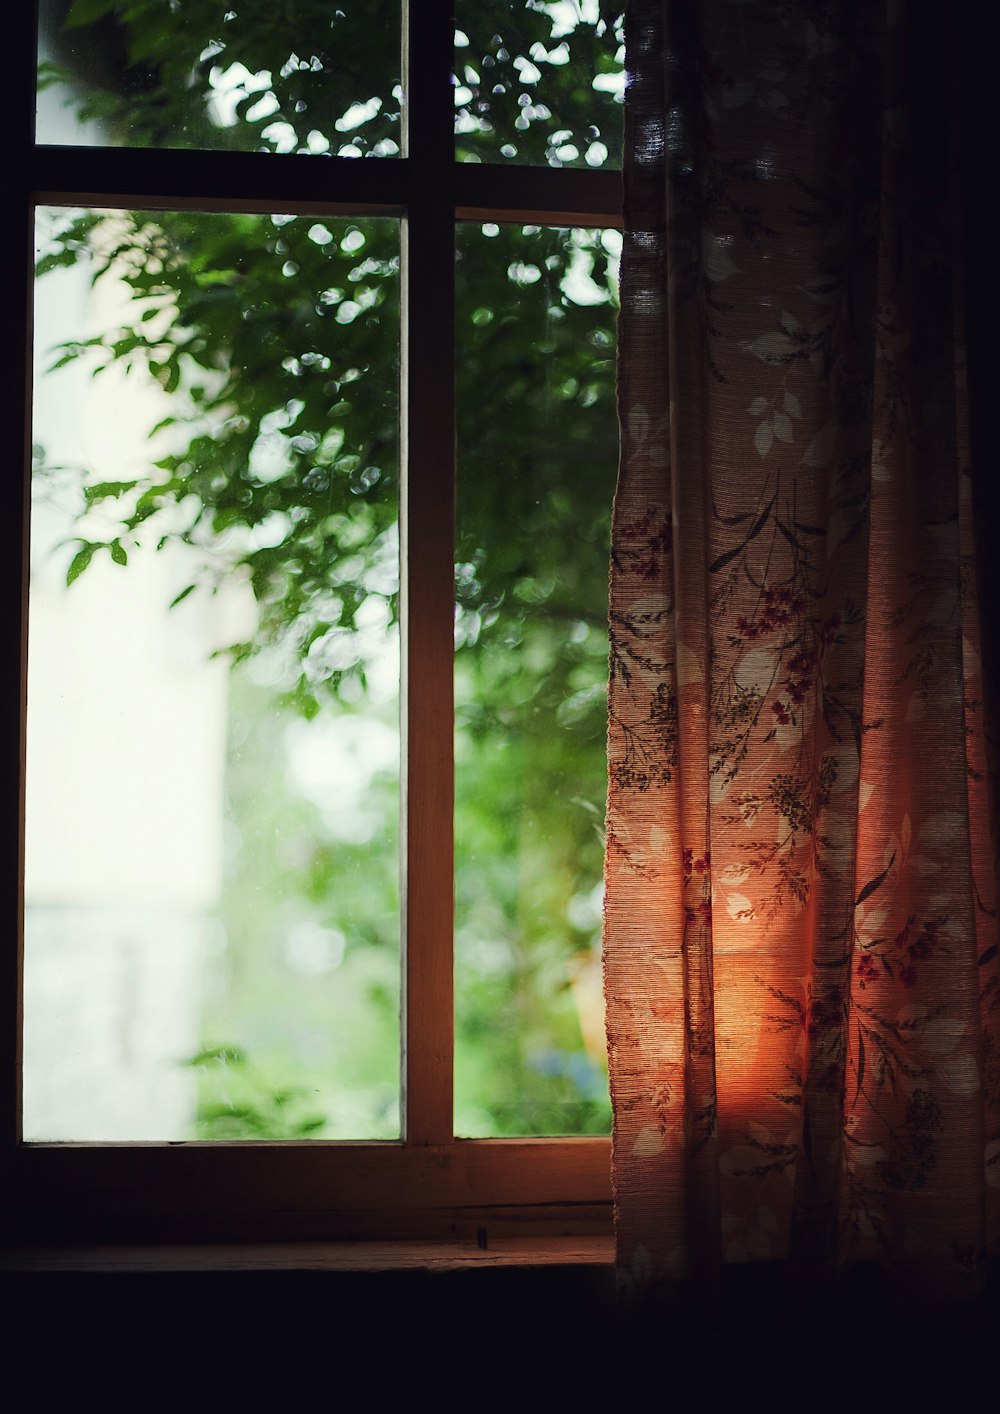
(801,964)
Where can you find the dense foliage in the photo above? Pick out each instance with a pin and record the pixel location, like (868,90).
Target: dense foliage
(535,80)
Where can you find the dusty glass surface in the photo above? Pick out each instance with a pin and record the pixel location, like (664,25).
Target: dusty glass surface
(222,75)
(539,82)
(212,923)
(537,461)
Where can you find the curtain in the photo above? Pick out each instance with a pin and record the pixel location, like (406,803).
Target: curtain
(801,968)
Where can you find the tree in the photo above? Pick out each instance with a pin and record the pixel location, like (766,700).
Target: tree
(274,337)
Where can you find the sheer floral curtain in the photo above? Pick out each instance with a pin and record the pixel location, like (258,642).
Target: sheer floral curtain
(801,958)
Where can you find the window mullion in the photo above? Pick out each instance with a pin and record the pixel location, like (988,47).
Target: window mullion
(427,556)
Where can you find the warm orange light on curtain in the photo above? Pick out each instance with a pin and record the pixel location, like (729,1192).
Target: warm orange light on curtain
(800,945)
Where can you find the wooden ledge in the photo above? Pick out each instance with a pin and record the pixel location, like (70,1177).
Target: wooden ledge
(521,1252)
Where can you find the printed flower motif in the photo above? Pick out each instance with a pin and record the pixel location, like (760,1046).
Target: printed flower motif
(700,865)
(802,663)
(645,542)
(800,675)
(778,608)
(915,942)
(867,971)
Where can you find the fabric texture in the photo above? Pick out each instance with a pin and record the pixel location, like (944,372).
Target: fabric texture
(803,987)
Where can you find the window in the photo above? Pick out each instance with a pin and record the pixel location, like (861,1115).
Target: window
(428,1182)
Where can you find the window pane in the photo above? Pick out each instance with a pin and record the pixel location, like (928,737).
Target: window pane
(227,75)
(539,82)
(537,460)
(212,932)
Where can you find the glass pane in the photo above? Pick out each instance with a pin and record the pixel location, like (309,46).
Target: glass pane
(537,461)
(539,82)
(212,931)
(229,75)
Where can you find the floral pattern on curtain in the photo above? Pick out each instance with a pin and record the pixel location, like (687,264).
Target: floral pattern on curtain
(801,966)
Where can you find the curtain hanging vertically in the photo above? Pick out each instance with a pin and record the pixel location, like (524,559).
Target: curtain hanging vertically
(800,943)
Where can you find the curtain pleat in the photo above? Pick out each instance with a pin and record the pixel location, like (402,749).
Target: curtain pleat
(800,929)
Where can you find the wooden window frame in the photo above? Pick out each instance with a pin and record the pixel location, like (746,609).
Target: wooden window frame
(428,1184)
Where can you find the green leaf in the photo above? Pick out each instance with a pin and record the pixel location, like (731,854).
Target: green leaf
(80,561)
(103,490)
(50,74)
(118,552)
(223,1055)
(179,598)
(85,12)
(54,260)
